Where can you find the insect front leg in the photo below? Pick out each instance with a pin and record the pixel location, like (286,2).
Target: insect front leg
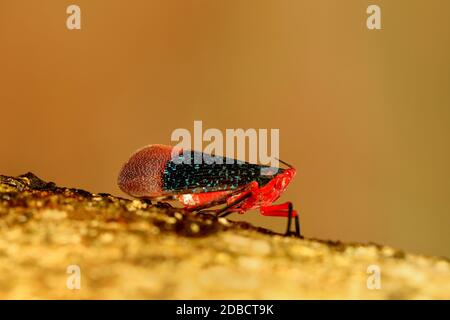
(284,210)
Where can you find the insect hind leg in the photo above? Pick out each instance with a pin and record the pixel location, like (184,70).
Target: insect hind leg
(284,210)
(227,210)
(241,194)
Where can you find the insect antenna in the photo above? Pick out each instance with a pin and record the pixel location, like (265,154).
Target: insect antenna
(285,163)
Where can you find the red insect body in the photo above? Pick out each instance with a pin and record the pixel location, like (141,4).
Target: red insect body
(260,197)
(141,177)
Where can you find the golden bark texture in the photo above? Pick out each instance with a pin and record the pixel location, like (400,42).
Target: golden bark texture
(133,249)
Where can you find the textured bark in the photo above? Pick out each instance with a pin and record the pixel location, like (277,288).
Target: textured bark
(133,249)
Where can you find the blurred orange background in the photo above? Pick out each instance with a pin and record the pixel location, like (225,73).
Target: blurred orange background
(363,115)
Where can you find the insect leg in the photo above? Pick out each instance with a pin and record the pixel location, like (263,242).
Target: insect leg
(224,198)
(164,205)
(284,210)
(159,201)
(218,200)
(297,222)
(236,205)
(297,227)
(243,194)
(225,211)
(288,229)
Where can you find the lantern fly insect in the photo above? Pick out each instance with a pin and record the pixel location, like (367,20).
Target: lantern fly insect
(162,173)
